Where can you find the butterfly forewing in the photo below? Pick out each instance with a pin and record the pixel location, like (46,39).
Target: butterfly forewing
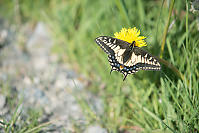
(124,59)
(111,45)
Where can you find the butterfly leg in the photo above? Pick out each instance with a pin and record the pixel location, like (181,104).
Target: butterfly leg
(125,75)
(111,71)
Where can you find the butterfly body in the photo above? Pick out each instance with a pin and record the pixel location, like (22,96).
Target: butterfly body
(125,57)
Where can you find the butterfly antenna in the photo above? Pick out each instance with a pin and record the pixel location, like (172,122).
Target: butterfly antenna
(133,44)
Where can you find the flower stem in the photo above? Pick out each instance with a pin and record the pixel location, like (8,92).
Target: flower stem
(173,68)
(187,29)
(166,28)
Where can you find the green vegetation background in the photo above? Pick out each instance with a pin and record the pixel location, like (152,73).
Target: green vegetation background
(147,101)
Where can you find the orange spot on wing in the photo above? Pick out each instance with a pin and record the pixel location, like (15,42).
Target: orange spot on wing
(121,66)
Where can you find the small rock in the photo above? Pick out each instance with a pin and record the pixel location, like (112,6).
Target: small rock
(3,109)
(27,80)
(60,81)
(2,101)
(71,74)
(40,42)
(3,35)
(97,105)
(95,129)
(40,62)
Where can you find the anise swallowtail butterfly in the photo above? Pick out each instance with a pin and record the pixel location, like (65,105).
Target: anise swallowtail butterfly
(125,57)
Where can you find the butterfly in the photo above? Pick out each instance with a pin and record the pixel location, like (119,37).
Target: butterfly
(125,57)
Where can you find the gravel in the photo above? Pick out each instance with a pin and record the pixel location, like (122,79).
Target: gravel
(43,82)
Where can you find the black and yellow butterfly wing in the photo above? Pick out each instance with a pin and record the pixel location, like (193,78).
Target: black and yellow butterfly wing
(125,59)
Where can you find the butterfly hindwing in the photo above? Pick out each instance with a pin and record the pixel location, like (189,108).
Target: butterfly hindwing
(144,60)
(126,59)
(125,70)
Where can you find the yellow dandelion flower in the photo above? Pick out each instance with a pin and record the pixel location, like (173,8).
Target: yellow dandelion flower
(130,35)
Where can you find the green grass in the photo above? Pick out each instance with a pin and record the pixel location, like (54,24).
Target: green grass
(22,120)
(147,101)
